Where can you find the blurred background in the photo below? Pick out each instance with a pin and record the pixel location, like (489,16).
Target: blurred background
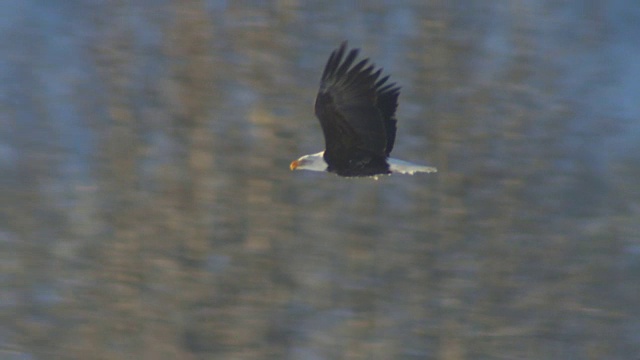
(147,210)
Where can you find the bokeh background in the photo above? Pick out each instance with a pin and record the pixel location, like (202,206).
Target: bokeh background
(147,210)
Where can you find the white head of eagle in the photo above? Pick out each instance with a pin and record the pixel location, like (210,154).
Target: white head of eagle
(356,109)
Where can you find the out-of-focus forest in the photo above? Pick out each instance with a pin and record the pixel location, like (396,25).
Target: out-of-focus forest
(147,210)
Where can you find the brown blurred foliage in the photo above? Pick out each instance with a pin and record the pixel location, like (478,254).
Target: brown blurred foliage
(163,223)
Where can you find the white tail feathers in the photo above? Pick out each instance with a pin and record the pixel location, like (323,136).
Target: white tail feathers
(405,167)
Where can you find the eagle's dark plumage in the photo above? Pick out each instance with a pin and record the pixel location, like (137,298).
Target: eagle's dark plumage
(356,108)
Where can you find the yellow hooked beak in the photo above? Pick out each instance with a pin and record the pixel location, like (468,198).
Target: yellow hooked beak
(294,165)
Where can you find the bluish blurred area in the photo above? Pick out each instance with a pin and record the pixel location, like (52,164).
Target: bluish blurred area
(147,209)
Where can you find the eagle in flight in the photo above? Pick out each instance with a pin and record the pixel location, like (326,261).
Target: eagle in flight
(356,108)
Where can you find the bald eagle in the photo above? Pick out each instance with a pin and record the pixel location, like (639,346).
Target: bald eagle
(356,109)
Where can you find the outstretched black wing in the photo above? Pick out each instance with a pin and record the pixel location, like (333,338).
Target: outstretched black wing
(356,110)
